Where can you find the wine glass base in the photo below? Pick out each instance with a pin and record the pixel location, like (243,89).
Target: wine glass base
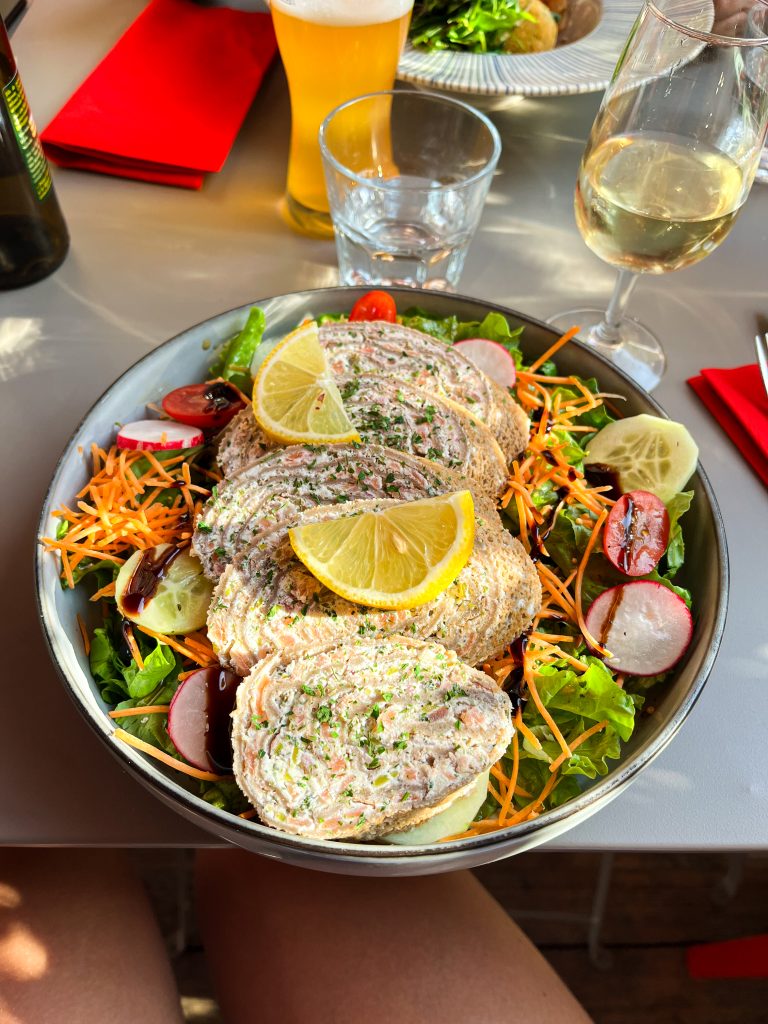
(637,351)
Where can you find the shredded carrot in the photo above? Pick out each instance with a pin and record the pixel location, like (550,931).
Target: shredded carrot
(160,755)
(84,634)
(117,512)
(593,643)
(553,348)
(134,647)
(523,728)
(494,792)
(248,814)
(107,591)
(526,812)
(501,778)
(512,779)
(150,709)
(577,743)
(533,691)
(187,652)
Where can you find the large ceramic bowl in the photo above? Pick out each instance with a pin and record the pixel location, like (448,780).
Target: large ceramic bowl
(583,61)
(185,358)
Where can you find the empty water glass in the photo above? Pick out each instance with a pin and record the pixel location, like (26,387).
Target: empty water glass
(407,175)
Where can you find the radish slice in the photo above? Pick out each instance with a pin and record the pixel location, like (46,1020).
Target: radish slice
(490,357)
(159,435)
(199,716)
(645,626)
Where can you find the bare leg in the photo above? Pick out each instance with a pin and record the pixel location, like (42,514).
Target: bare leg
(289,946)
(78,942)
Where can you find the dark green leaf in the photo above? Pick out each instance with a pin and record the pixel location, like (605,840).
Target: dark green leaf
(226,795)
(157,665)
(234,361)
(677,506)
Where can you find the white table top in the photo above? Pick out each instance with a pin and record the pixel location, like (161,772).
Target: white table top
(148,261)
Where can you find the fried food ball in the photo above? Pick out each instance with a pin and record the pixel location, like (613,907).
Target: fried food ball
(533,36)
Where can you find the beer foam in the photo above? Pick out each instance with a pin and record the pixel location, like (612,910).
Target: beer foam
(344,12)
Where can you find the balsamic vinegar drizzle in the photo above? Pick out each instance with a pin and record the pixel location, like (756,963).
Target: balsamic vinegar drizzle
(628,526)
(220,689)
(513,684)
(220,396)
(146,577)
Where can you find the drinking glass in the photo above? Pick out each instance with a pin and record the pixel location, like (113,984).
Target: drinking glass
(407,173)
(671,157)
(332,50)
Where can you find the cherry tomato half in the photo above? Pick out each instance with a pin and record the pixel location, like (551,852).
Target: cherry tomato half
(636,533)
(210,406)
(375,306)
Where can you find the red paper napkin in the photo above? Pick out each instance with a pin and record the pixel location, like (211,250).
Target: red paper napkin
(167,101)
(737,400)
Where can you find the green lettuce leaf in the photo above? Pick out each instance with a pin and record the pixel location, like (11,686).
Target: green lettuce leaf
(107,666)
(593,695)
(494,327)
(595,418)
(677,506)
(533,776)
(152,728)
(225,795)
(157,665)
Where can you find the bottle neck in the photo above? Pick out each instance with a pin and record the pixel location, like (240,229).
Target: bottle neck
(7,62)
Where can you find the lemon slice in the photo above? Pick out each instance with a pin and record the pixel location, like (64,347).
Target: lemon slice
(294,395)
(646,453)
(400,556)
(179,603)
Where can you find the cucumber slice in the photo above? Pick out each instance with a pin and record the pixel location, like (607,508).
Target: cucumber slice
(646,453)
(454,819)
(180,602)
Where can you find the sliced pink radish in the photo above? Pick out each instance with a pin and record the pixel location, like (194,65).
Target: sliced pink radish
(492,358)
(199,716)
(159,435)
(645,626)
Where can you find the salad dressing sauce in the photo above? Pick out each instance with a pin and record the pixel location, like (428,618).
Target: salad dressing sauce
(513,684)
(220,690)
(628,526)
(618,597)
(146,577)
(220,397)
(600,475)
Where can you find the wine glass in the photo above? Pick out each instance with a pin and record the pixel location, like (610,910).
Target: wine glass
(671,157)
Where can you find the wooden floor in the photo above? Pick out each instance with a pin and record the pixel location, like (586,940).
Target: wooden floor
(656,905)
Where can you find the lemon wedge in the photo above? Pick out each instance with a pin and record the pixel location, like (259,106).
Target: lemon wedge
(295,398)
(397,557)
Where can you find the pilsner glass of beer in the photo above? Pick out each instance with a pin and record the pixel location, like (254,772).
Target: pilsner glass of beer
(332,50)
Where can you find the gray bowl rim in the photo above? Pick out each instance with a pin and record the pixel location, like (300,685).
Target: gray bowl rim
(151,777)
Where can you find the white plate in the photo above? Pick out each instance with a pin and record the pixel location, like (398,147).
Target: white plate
(585,65)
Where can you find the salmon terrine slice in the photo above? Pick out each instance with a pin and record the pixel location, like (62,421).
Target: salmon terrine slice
(267,601)
(397,416)
(287,481)
(418,359)
(364,739)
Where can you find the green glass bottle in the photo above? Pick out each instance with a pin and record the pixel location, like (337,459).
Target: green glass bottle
(33,235)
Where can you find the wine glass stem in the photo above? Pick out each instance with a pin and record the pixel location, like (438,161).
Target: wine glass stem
(608,331)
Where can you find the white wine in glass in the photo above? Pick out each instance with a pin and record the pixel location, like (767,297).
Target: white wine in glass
(671,157)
